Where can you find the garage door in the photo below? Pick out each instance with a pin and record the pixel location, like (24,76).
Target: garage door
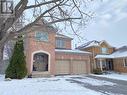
(62,67)
(79,67)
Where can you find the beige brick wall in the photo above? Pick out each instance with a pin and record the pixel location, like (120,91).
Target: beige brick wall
(119,65)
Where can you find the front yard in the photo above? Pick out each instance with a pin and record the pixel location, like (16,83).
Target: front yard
(60,85)
(43,86)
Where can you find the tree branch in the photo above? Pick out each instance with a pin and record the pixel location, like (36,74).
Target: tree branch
(10,21)
(61,20)
(12,34)
(41,4)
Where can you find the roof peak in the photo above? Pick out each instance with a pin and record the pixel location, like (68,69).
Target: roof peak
(89,43)
(93,43)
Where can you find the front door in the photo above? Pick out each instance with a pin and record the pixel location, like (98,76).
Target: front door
(40,62)
(109,64)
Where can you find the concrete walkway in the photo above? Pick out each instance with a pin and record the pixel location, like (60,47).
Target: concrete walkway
(119,89)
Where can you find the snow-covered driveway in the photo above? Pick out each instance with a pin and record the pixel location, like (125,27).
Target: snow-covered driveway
(104,85)
(60,85)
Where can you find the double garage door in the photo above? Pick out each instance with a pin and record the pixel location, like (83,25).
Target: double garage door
(71,67)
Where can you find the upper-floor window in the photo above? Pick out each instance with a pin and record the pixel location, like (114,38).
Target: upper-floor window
(60,43)
(125,62)
(41,36)
(104,50)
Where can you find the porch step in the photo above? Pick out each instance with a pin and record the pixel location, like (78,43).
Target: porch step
(40,74)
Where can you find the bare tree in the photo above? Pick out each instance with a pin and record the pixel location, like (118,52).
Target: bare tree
(67,12)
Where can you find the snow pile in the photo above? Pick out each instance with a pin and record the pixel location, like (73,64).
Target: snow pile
(2,77)
(71,51)
(104,56)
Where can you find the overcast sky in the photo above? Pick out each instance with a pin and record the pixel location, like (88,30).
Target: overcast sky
(109,22)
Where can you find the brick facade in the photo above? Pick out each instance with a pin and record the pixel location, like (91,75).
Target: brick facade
(32,46)
(119,65)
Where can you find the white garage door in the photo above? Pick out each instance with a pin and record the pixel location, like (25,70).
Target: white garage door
(62,67)
(79,67)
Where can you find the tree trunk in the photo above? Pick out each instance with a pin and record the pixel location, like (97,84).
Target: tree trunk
(1,59)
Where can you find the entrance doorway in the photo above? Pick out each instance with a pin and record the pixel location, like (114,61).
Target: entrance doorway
(40,62)
(105,64)
(109,64)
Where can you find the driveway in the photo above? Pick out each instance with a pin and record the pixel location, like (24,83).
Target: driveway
(100,84)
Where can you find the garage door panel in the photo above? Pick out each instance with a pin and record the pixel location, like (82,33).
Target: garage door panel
(62,66)
(73,67)
(79,67)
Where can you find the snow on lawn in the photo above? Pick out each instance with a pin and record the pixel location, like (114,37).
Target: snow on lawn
(114,76)
(95,82)
(1,77)
(43,86)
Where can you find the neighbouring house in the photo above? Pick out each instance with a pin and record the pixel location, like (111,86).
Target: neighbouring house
(50,53)
(98,48)
(105,56)
(119,59)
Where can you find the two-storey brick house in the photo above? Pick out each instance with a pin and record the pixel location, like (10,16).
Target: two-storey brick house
(50,53)
(105,56)
(99,48)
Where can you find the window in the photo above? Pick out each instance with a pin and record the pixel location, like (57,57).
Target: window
(41,36)
(60,43)
(125,62)
(39,58)
(104,50)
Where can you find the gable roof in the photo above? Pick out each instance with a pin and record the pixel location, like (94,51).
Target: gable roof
(89,44)
(103,41)
(121,52)
(93,43)
(44,23)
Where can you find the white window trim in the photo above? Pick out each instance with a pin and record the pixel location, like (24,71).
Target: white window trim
(59,44)
(124,61)
(49,59)
(104,52)
(41,40)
